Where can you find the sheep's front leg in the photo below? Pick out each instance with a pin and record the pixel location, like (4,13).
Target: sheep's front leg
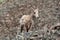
(32,25)
(27,28)
(22,28)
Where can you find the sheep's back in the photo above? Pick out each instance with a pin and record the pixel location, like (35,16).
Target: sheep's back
(25,19)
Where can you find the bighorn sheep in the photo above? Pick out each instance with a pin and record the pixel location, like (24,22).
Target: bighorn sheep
(26,20)
(54,27)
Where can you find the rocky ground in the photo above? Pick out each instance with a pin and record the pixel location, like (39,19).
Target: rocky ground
(47,26)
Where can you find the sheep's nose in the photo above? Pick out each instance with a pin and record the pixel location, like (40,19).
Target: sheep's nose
(36,16)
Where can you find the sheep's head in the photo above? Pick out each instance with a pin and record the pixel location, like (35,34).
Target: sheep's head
(35,13)
(57,26)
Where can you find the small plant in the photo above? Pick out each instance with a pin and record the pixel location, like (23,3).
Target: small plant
(1,1)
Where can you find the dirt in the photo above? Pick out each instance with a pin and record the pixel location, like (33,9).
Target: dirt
(12,10)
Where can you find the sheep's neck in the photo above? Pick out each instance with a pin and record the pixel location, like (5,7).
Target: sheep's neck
(31,15)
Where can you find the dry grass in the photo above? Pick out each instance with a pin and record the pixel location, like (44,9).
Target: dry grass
(12,10)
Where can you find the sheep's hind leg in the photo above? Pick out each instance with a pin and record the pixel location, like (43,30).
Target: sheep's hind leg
(26,28)
(22,28)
